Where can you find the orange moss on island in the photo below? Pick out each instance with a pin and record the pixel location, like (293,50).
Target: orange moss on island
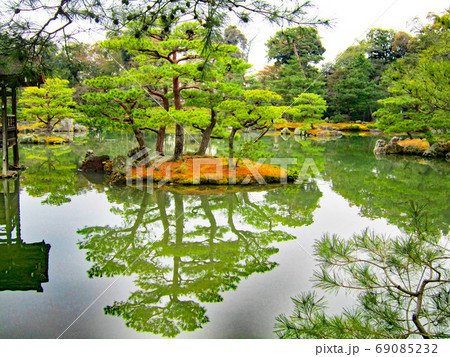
(350,126)
(318,132)
(288,125)
(421,144)
(42,139)
(314,132)
(31,127)
(192,170)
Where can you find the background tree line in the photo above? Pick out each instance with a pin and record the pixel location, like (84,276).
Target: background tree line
(184,74)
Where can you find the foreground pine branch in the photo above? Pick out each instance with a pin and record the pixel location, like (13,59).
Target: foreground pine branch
(403,287)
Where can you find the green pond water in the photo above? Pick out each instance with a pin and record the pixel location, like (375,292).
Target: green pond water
(79,259)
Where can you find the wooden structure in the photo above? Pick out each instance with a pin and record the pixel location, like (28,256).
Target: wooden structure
(23,266)
(12,76)
(9,128)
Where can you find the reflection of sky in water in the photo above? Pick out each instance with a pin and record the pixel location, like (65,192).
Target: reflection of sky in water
(248,312)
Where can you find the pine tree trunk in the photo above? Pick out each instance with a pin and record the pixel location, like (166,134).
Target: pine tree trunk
(298,58)
(179,129)
(231,147)
(162,130)
(206,135)
(140,140)
(160,140)
(48,129)
(231,141)
(179,142)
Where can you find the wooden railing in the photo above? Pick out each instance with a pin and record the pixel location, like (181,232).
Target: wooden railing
(11,120)
(11,130)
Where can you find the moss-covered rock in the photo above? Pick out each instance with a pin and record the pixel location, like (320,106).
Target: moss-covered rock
(417,147)
(94,163)
(437,150)
(393,147)
(380,147)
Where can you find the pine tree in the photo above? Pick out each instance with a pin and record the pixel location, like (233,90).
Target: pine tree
(49,104)
(255,111)
(119,102)
(296,51)
(170,63)
(308,108)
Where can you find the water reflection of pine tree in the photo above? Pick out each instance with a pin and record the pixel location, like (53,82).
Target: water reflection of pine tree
(185,250)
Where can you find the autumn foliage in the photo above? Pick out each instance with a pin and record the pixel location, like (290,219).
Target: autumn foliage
(209,170)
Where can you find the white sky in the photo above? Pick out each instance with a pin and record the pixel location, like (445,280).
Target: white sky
(353,19)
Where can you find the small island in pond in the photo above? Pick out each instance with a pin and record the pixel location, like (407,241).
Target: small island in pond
(189,170)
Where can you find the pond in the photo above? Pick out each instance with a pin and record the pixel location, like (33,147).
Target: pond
(80,259)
